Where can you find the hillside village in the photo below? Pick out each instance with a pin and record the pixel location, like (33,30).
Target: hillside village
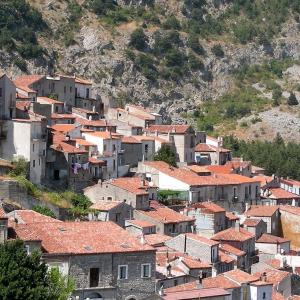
(206,226)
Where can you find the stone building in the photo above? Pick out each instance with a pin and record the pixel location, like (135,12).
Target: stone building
(7,98)
(132,151)
(106,262)
(272,244)
(255,226)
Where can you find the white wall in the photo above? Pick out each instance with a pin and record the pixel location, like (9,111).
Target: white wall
(261,292)
(169,183)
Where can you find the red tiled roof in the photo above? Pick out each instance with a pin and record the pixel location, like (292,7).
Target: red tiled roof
(290,182)
(219,281)
(106,135)
(23,105)
(240,276)
(23,82)
(251,222)
(130,140)
(84,142)
(232,250)
(93,123)
(183,287)
(132,185)
(29,217)
(140,223)
(216,169)
(81,237)
(156,239)
(94,160)
(202,147)
(231,234)
(279,193)
(105,205)
(2,213)
(62,116)
(273,276)
(193,179)
(195,263)
(63,127)
(208,207)
(231,216)
(201,239)
(66,148)
(263,179)
(195,294)
(277,296)
(181,129)
(166,215)
(198,169)
(261,211)
(49,100)
(271,239)
(236,164)
(83,110)
(82,81)
(224,258)
(274,263)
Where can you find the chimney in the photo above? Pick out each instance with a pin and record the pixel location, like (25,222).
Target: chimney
(237,226)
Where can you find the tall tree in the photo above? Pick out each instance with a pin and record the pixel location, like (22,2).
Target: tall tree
(24,276)
(166,154)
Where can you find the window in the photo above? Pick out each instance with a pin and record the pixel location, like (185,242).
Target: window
(27,249)
(175,282)
(104,147)
(264,295)
(65,89)
(33,163)
(146,271)
(94,277)
(56,109)
(32,147)
(114,165)
(122,272)
(39,161)
(0,92)
(87,93)
(70,89)
(114,148)
(118,217)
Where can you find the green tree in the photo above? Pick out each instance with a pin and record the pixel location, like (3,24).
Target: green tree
(292,100)
(172,23)
(276,96)
(44,211)
(138,39)
(166,154)
(20,167)
(24,276)
(217,50)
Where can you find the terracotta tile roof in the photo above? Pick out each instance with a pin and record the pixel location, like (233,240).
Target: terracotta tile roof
(208,207)
(180,129)
(236,164)
(24,82)
(105,205)
(198,169)
(290,209)
(82,81)
(273,276)
(58,137)
(277,296)
(83,110)
(166,215)
(224,258)
(183,287)
(156,239)
(256,169)
(67,148)
(274,263)
(196,294)
(94,160)
(63,127)
(62,116)
(93,123)
(140,114)
(106,135)
(240,276)
(140,223)
(49,100)
(23,105)
(271,239)
(231,216)
(144,138)
(130,140)
(231,250)
(231,234)
(192,263)
(202,147)
(252,222)
(84,142)
(81,237)
(263,179)
(290,182)
(260,283)
(2,213)
(201,239)
(279,193)
(131,184)
(261,211)
(219,281)
(220,169)
(29,217)
(193,179)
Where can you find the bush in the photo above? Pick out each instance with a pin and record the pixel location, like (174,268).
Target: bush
(20,63)
(21,167)
(166,154)
(138,39)
(101,7)
(174,58)
(244,32)
(217,50)
(193,43)
(44,211)
(145,65)
(171,23)
(292,100)
(195,63)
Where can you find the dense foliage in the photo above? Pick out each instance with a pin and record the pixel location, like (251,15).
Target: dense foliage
(23,276)
(276,157)
(166,154)
(44,210)
(19,23)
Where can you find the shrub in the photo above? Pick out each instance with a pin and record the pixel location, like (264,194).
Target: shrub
(44,211)
(244,124)
(174,58)
(138,39)
(166,154)
(145,65)
(101,7)
(20,63)
(193,43)
(195,63)
(21,167)
(292,100)
(217,50)
(171,23)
